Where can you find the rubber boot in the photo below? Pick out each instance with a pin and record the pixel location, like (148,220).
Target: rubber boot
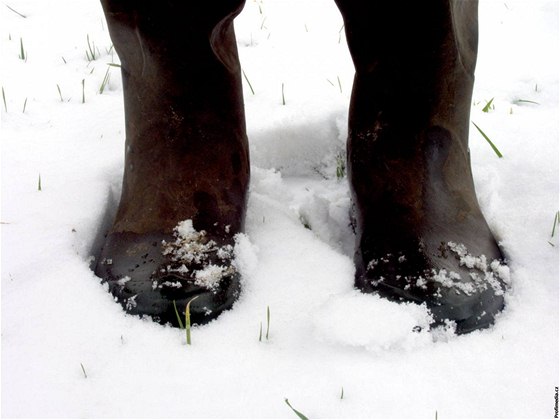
(421,236)
(186,171)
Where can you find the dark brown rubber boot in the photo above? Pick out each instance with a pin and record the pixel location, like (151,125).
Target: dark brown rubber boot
(186,163)
(421,236)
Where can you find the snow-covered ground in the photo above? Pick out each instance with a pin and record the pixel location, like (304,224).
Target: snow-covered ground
(68,350)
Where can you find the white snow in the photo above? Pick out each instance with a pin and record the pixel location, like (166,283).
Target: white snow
(324,335)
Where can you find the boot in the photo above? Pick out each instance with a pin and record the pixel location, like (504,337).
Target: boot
(186,171)
(421,236)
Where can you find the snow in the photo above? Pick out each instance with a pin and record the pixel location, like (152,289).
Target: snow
(296,254)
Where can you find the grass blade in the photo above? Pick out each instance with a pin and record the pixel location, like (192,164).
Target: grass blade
(178,317)
(24,105)
(339,84)
(525,101)
(488,105)
(299,414)
(59,93)
(83,370)
(248,82)
(489,141)
(188,320)
(342,393)
(267,321)
(283,98)
(16,12)
(260,334)
(39,188)
(4,98)
(22,55)
(556,222)
(105,81)
(83,91)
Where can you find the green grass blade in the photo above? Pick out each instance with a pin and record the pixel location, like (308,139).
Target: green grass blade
(556,222)
(488,105)
(299,414)
(16,12)
(24,105)
(525,101)
(21,50)
(105,81)
(83,370)
(188,320)
(492,145)
(59,93)
(177,315)
(248,82)
(4,98)
(260,334)
(267,321)
(39,188)
(342,393)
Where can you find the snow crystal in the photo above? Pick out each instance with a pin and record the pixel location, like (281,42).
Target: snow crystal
(193,258)
(210,276)
(481,274)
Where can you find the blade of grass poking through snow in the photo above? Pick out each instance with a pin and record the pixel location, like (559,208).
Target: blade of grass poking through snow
(248,82)
(24,105)
(114,65)
(488,106)
(16,12)
(4,98)
(267,321)
(83,91)
(91,55)
(260,334)
(178,317)
(339,84)
(105,81)
(59,93)
(188,320)
(342,393)
(492,145)
(556,223)
(299,414)
(22,55)
(525,101)
(83,370)
(283,98)
(39,184)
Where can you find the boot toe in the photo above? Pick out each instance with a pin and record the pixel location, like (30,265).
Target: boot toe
(148,281)
(455,286)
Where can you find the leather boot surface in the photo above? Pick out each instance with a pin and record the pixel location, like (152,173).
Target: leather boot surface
(421,236)
(186,159)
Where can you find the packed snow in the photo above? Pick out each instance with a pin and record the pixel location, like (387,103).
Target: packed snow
(68,350)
